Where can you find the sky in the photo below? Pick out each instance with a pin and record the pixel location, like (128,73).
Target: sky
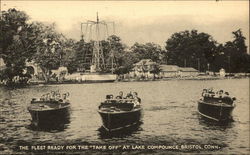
(142,21)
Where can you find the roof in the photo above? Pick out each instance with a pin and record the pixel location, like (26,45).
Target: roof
(169,68)
(187,69)
(145,62)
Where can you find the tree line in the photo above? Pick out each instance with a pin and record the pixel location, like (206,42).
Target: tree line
(23,41)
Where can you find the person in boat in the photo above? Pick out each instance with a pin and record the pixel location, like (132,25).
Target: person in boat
(120,96)
(65,97)
(220,93)
(43,97)
(227,99)
(57,96)
(204,92)
(52,95)
(210,93)
(109,98)
(210,90)
(129,96)
(136,98)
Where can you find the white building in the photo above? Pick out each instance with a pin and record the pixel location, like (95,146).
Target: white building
(169,71)
(143,68)
(60,73)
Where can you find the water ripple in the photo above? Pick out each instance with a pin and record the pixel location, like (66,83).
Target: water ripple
(170,117)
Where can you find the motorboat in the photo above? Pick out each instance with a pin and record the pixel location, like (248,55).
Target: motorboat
(50,108)
(120,113)
(216,106)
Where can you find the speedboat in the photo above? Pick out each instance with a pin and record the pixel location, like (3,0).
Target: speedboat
(118,114)
(51,108)
(216,106)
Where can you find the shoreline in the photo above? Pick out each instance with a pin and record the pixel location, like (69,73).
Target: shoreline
(198,78)
(183,78)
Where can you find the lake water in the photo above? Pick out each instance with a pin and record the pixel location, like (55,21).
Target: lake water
(170,119)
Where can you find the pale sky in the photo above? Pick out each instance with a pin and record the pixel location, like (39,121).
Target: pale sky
(145,21)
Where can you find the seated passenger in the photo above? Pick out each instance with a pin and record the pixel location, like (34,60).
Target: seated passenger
(204,92)
(210,90)
(64,96)
(220,93)
(137,99)
(109,97)
(57,96)
(120,96)
(227,99)
(129,96)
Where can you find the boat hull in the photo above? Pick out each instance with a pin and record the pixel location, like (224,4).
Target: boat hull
(215,111)
(113,121)
(50,117)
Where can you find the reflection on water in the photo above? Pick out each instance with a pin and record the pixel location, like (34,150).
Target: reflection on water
(123,133)
(215,124)
(170,116)
(51,126)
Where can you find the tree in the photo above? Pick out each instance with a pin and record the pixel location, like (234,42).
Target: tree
(220,60)
(16,45)
(148,51)
(128,60)
(49,49)
(69,55)
(186,48)
(235,56)
(156,70)
(239,41)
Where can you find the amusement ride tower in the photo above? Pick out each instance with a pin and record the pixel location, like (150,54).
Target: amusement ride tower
(95,31)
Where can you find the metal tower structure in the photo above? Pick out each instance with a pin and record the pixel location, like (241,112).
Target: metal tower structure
(95,31)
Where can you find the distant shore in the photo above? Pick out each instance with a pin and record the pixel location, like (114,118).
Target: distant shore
(145,80)
(183,78)
(40,82)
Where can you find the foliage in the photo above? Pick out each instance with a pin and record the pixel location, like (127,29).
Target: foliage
(234,57)
(49,48)
(112,49)
(16,44)
(195,48)
(148,51)
(69,55)
(22,41)
(117,50)
(128,60)
(186,48)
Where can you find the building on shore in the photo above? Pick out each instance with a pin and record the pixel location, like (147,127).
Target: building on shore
(168,71)
(187,72)
(60,73)
(143,69)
